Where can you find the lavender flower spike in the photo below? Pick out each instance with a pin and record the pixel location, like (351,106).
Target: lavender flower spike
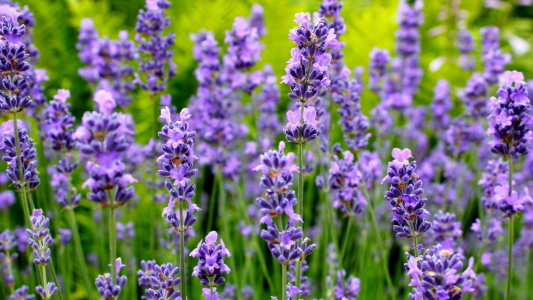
(435,275)
(161,281)
(405,197)
(211,268)
(40,241)
(104,283)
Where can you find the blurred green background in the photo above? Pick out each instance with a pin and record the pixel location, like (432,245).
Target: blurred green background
(369,24)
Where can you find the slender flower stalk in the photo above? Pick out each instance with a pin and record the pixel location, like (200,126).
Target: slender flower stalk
(7,243)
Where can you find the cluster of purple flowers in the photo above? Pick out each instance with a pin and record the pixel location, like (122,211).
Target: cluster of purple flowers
(30,179)
(354,124)
(177,164)
(105,285)
(107,62)
(160,281)
(465,45)
(307,74)
(7,258)
(441,105)
(211,267)
(58,133)
(102,138)
(40,241)
(474,96)
(437,275)
(446,230)
(377,68)
(330,10)
(279,200)
(494,60)
(345,180)
(404,196)
(154,53)
(510,117)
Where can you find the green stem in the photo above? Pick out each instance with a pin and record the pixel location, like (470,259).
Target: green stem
(79,251)
(284,282)
(10,271)
(153,188)
(380,242)
(346,238)
(510,259)
(511,235)
(182,252)
(300,204)
(212,205)
(112,237)
(226,228)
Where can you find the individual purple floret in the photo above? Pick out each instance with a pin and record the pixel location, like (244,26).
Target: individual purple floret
(178,162)
(441,105)
(279,200)
(446,230)
(105,286)
(154,54)
(346,289)
(161,281)
(510,117)
(437,275)
(405,197)
(211,267)
(344,185)
(65,235)
(28,155)
(40,241)
(377,68)
(7,257)
(466,45)
(21,294)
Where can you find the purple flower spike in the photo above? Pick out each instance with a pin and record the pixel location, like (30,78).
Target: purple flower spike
(28,157)
(494,60)
(21,294)
(405,196)
(211,267)
(307,73)
(7,256)
(105,286)
(344,182)
(466,45)
(154,48)
(277,169)
(160,281)
(510,120)
(378,67)
(437,275)
(40,241)
(441,105)
(177,164)
(346,289)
